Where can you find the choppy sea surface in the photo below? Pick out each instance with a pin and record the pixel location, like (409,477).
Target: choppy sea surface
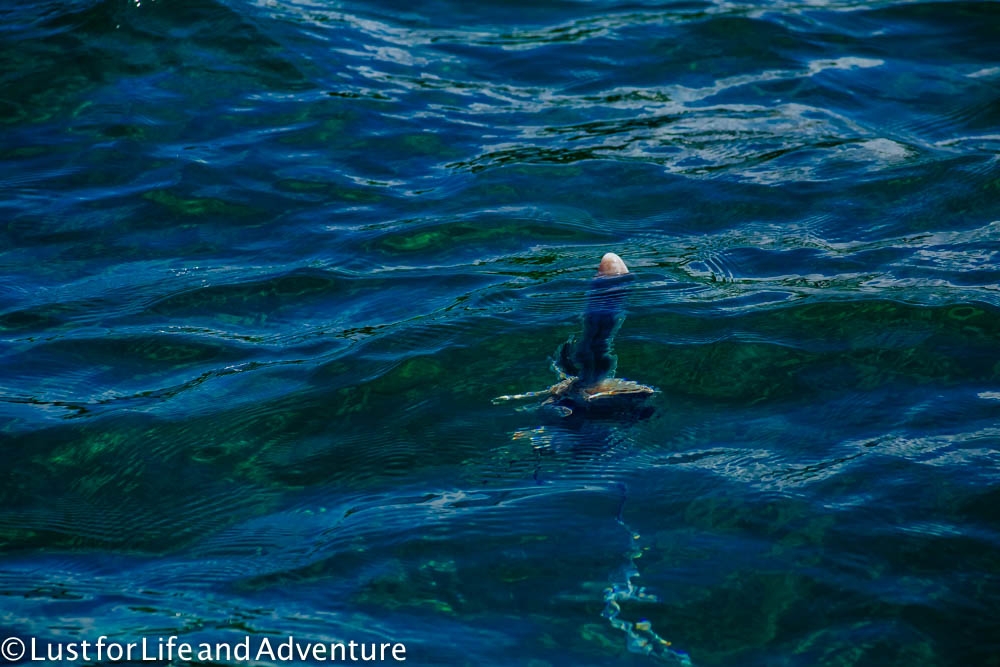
(264,266)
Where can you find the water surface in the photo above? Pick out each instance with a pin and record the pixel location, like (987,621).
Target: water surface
(265,265)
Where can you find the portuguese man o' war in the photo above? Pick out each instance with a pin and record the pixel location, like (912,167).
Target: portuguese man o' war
(588,389)
(587,384)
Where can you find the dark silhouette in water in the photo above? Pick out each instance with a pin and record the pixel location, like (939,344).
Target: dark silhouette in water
(588,387)
(592,359)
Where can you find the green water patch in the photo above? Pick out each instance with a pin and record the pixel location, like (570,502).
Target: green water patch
(334,192)
(503,235)
(252,302)
(197,206)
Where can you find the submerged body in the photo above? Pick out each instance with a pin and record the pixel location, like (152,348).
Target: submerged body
(611,397)
(588,386)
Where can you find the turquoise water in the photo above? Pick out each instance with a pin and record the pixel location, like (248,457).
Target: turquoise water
(264,266)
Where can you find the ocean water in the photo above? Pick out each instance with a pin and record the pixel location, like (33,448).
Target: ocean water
(264,266)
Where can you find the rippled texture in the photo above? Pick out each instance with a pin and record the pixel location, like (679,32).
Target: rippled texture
(265,265)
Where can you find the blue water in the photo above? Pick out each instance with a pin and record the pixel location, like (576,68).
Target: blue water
(264,266)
